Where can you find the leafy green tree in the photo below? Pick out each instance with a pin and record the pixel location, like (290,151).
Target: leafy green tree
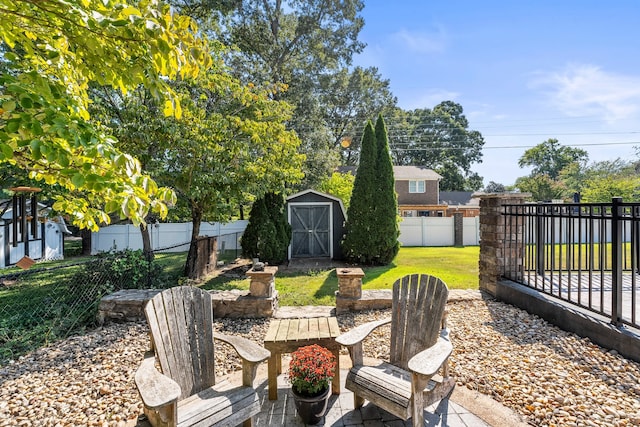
(347,99)
(541,187)
(603,190)
(230,143)
(494,187)
(339,185)
(440,139)
(600,181)
(288,42)
(550,158)
(385,231)
(307,46)
(356,245)
(576,175)
(51,54)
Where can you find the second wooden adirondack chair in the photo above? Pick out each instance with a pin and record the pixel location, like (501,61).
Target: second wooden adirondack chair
(419,347)
(185,393)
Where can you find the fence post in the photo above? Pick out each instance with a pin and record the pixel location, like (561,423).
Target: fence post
(540,239)
(496,254)
(458,227)
(616,260)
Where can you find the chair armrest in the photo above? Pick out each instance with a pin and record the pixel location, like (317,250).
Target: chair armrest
(156,390)
(246,349)
(359,333)
(428,361)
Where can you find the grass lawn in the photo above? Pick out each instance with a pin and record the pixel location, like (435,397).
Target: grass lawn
(457,267)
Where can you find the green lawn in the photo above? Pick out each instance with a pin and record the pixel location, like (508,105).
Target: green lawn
(458,267)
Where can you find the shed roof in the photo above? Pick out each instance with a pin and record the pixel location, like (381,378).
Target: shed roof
(321,194)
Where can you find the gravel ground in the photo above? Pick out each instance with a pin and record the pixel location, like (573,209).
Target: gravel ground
(549,376)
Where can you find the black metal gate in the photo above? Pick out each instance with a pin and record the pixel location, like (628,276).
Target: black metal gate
(310,227)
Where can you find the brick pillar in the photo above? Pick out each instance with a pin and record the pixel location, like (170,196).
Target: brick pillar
(350,282)
(458,224)
(262,283)
(498,252)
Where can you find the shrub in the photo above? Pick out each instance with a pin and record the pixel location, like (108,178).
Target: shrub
(112,271)
(268,232)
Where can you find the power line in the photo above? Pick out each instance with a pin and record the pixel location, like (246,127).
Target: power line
(394,148)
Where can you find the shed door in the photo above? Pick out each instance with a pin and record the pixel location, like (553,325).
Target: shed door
(310,231)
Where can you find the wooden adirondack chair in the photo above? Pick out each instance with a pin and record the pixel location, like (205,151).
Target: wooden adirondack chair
(185,393)
(419,347)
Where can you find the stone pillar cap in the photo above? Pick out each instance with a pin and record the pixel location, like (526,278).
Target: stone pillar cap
(268,270)
(350,271)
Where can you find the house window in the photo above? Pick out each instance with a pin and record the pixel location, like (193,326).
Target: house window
(416,186)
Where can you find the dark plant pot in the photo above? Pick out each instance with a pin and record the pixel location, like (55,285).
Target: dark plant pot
(311,409)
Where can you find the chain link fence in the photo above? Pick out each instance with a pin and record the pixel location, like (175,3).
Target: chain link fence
(40,305)
(43,304)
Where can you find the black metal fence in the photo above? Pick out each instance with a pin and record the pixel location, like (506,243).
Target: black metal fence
(585,254)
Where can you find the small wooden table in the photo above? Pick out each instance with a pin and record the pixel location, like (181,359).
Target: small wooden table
(287,335)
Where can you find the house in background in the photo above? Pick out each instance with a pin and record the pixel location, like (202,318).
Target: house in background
(418,190)
(419,195)
(460,201)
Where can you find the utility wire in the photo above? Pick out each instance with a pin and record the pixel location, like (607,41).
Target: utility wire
(393,147)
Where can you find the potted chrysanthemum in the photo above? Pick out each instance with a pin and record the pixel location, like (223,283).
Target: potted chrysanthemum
(311,370)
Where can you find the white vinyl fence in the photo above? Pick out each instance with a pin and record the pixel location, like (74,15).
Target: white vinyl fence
(438,231)
(423,231)
(173,237)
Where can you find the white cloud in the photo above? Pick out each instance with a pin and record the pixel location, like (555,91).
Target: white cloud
(582,90)
(427,99)
(421,42)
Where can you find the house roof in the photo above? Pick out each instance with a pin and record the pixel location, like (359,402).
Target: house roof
(402,173)
(457,198)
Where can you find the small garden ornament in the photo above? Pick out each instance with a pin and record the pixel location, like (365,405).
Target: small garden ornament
(310,372)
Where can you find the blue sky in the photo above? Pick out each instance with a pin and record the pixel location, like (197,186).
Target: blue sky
(524,72)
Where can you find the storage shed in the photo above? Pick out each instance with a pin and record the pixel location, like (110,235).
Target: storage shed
(317,224)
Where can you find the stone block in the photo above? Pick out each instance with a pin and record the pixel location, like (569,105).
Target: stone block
(125,305)
(369,300)
(242,304)
(262,283)
(350,282)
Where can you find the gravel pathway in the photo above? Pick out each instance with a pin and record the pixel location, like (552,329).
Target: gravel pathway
(549,376)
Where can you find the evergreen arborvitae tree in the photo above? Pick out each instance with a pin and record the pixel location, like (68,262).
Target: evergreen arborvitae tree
(267,234)
(251,236)
(276,207)
(356,245)
(385,233)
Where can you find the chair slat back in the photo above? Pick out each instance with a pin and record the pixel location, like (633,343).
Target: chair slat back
(417,307)
(181,323)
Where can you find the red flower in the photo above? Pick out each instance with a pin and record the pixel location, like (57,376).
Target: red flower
(311,369)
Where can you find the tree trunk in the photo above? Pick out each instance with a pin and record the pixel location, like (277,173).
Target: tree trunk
(192,256)
(147,250)
(86,241)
